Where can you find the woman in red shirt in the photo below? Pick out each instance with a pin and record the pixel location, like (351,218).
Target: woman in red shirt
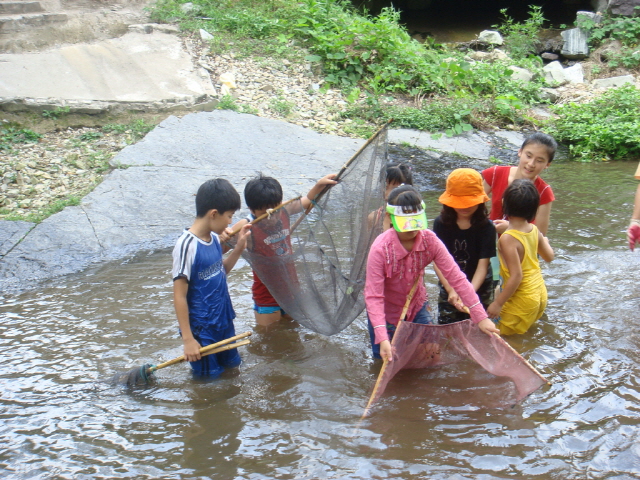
(535,155)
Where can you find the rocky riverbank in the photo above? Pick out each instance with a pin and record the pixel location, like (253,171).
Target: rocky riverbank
(42,176)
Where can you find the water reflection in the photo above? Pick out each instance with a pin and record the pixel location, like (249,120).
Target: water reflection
(292,409)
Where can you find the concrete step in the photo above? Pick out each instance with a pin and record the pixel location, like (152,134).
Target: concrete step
(17,23)
(12,8)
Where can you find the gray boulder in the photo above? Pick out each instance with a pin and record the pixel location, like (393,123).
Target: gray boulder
(613,82)
(626,8)
(575,44)
(554,74)
(521,74)
(491,37)
(574,74)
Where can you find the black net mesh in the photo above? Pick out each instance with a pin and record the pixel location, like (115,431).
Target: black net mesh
(317,274)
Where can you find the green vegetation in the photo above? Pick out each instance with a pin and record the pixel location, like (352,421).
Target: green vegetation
(136,129)
(281,106)
(385,74)
(56,113)
(626,30)
(520,38)
(227,102)
(12,133)
(603,129)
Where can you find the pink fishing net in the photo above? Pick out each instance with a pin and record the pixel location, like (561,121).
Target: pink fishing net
(423,346)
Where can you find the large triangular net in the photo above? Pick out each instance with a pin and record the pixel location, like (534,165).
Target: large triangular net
(424,346)
(318,278)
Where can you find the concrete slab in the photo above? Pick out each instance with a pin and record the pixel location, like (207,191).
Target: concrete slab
(135,68)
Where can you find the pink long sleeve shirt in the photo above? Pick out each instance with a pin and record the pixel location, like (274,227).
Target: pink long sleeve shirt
(392,271)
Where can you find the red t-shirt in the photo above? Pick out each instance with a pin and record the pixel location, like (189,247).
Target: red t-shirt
(269,238)
(498,178)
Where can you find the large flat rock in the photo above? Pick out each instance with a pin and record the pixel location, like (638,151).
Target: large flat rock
(146,205)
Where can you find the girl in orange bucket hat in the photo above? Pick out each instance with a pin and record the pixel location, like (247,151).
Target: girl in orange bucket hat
(470,237)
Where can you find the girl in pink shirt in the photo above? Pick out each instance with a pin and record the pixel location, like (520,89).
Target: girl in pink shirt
(397,260)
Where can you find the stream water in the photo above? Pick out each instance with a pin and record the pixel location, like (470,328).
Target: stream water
(292,410)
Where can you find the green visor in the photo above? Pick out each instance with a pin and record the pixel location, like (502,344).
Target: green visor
(407,219)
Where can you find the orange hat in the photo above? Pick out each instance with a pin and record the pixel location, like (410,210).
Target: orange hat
(464,189)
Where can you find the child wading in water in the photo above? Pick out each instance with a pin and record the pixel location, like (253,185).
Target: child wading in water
(470,237)
(397,260)
(396,174)
(535,156)
(200,293)
(523,296)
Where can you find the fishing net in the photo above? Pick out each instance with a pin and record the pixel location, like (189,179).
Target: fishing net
(141,375)
(313,262)
(423,346)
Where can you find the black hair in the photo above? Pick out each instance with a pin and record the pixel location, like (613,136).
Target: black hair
(405,196)
(262,192)
(449,216)
(399,173)
(521,199)
(542,139)
(216,194)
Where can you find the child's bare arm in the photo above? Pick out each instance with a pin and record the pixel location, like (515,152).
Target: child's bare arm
(317,188)
(544,248)
(543,217)
(508,247)
(453,298)
(480,274)
(230,260)
(191,345)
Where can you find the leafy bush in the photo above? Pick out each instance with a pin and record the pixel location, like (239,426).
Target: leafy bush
(520,38)
(624,29)
(606,128)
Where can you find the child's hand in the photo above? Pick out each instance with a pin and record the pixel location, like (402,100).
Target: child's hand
(456,301)
(386,350)
(633,235)
(328,179)
(501,226)
(191,350)
(243,235)
(487,326)
(494,310)
(226,235)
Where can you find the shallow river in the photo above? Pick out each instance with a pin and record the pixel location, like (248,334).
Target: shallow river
(292,410)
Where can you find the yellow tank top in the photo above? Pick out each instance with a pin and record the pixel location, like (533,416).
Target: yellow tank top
(531,273)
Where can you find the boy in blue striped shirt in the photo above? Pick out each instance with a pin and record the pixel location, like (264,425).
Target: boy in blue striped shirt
(200,292)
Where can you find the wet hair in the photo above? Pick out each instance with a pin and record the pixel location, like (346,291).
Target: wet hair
(540,138)
(262,192)
(405,196)
(521,199)
(449,216)
(216,194)
(398,172)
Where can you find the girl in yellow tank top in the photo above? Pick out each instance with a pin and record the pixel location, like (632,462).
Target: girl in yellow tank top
(523,296)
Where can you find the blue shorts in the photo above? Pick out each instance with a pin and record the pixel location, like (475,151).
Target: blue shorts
(267,310)
(423,316)
(213,365)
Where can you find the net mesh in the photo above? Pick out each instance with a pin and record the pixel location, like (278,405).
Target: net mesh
(423,346)
(317,272)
